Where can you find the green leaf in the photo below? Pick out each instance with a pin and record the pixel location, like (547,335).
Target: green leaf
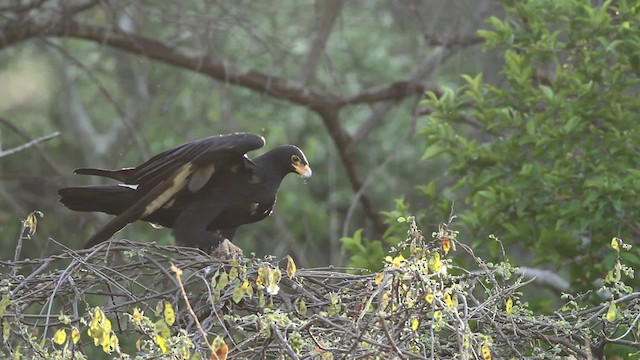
(433,151)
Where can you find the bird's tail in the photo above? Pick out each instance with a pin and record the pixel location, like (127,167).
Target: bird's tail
(110,199)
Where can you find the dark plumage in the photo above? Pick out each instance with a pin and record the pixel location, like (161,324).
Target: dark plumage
(203,189)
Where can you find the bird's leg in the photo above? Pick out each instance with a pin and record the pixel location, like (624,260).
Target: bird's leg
(226,251)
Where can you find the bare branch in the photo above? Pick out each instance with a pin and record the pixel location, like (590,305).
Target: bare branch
(331,119)
(29,144)
(332,9)
(395,91)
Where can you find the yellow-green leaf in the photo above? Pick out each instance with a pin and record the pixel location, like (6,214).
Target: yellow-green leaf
(615,243)
(247,288)
(291,267)
(162,344)
(4,304)
(237,294)
(486,352)
(414,324)
(161,328)
(429,298)
(6,330)
(435,263)
(169,314)
(233,273)
(75,335)
(60,336)
(302,307)
(612,313)
(220,349)
(509,306)
(398,261)
(223,281)
(137,316)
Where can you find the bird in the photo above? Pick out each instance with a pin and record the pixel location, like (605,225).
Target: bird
(203,190)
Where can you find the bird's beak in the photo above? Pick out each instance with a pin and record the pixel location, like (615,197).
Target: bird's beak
(303,170)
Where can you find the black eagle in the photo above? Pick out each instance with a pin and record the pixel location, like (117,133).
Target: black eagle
(204,190)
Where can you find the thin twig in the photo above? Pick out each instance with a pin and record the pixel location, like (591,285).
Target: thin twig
(29,144)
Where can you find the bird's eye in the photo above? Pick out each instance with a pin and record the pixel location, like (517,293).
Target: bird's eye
(295,158)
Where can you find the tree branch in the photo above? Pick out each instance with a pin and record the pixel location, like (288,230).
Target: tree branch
(325,104)
(29,144)
(331,119)
(332,10)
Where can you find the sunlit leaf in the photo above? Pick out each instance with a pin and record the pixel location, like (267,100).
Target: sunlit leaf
(435,263)
(162,344)
(4,303)
(233,273)
(30,224)
(75,335)
(238,294)
(486,351)
(398,261)
(446,245)
(429,298)
(169,313)
(615,243)
(161,328)
(612,312)
(223,281)
(6,330)
(220,349)
(60,336)
(291,267)
(302,307)
(137,316)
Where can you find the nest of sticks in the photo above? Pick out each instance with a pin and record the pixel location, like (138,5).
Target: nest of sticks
(265,308)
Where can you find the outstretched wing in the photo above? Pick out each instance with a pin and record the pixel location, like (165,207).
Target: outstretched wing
(186,167)
(213,150)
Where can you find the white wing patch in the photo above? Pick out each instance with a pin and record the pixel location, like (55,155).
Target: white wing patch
(175,184)
(130,186)
(200,177)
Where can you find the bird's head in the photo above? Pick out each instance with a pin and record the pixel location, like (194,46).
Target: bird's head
(290,159)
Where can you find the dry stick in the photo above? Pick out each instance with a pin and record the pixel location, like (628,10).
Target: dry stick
(29,144)
(47,159)
(284,342)
(178,273)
